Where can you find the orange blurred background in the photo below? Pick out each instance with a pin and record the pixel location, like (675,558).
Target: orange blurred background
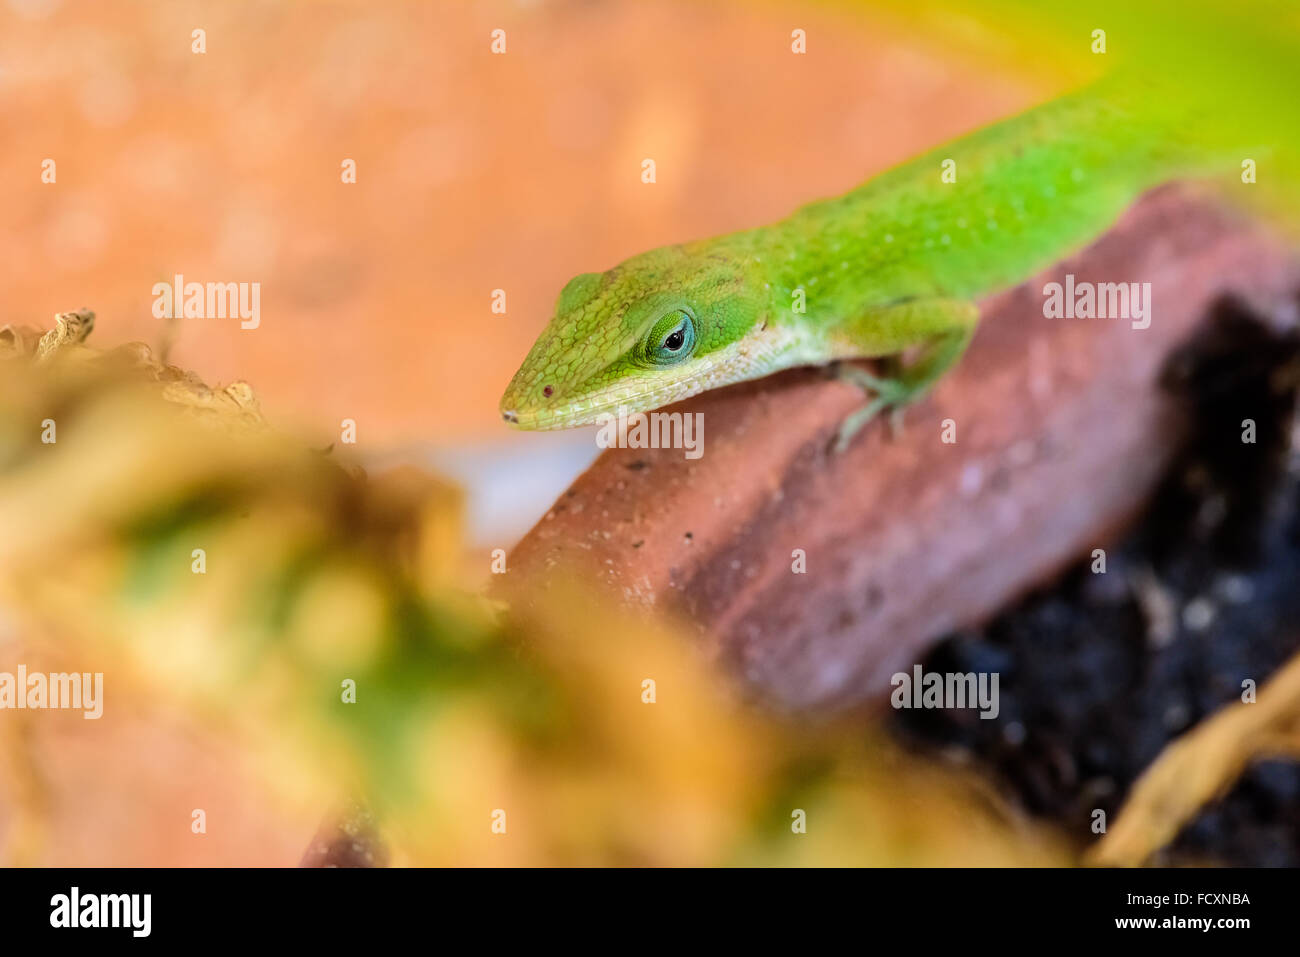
(475,171)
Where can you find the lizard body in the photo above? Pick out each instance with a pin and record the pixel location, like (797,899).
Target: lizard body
(896,263)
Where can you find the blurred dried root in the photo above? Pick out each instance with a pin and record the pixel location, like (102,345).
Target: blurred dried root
(313,615)
(1201,766)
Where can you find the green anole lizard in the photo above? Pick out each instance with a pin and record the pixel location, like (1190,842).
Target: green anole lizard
(897,264)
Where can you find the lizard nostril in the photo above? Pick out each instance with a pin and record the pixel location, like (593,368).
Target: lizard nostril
(509,416)
(547,391)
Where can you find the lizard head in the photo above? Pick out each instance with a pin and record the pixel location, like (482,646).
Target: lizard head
(657,328)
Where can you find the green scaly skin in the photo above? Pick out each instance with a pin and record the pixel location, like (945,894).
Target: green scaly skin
(896,263)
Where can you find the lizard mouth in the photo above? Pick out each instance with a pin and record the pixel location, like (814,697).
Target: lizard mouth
(588,411)
(755,355)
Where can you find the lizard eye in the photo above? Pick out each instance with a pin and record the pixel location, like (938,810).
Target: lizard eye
(672,339)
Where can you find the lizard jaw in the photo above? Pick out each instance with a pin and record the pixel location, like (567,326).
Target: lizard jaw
(759,353)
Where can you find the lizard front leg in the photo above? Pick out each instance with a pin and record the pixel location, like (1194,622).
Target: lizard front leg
(942,328)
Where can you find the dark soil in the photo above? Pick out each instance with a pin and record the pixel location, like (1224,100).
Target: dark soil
(1099,672)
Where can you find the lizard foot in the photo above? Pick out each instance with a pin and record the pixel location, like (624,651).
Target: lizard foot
(891,394)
